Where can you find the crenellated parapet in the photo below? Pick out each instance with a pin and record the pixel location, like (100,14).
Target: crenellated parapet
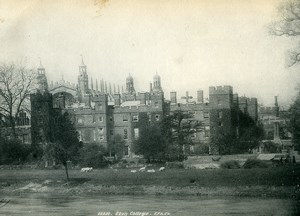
(191,108)
(137,108)
(267,110)
(220,90)
(252,100)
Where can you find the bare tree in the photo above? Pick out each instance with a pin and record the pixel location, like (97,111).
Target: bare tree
(288,25)
(16,85)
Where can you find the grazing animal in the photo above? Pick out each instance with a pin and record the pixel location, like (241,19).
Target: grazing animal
(143,169)
(151,171)
(162,169)
(133,171)
(216,158)
(87,169)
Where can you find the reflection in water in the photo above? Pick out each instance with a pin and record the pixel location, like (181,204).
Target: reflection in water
(38,204)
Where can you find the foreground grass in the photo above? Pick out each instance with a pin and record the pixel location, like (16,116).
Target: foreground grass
(269,182)
(281,176)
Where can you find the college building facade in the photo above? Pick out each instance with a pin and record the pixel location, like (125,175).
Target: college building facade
(100,112)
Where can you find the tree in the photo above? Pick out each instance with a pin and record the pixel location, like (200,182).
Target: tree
(116,147)
(222,143)
(288,25)
(93,155)
(250,133)
(249,137)
(177,129)
(271,147)
(150,142)
(295,121)
(16,85)
(65,145)
(13,151)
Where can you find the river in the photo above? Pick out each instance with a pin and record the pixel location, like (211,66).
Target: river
(56,205)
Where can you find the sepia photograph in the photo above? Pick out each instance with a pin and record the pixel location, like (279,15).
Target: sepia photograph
(149,107)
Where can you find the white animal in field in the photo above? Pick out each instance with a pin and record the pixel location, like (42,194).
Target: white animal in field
(133,171)
(87,169)
(151,171)
(143,169)
(162,169)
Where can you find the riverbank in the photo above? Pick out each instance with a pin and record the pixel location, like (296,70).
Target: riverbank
(280,182)
(89,188)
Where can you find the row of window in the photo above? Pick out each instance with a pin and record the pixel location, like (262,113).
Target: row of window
(135,133)
(95,119)
(135,118)
(101,135)
(100,132)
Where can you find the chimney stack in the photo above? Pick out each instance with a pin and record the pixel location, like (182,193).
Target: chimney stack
(200,96)
(173,97)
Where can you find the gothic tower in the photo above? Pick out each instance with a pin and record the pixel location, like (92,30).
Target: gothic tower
(157,83)
(130,85)
(42,79)
(83,79)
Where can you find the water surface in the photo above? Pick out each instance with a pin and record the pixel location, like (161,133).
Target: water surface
(57,205)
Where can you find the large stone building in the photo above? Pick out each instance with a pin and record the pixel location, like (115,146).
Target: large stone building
(100,112)
(198,110)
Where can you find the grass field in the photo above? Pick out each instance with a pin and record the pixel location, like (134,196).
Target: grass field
(281,176)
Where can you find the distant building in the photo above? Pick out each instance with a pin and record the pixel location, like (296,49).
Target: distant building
(275,123)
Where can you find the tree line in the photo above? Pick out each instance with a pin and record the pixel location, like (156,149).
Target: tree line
(172,138)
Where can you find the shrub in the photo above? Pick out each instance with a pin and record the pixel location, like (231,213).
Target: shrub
(13,152)
(232,164)
(175,164)
(202,149)
(255,163)
(92,155)
(271,147)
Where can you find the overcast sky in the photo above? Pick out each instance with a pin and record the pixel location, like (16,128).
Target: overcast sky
(191,44)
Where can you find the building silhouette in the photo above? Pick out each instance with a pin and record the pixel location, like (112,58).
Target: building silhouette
(102,113)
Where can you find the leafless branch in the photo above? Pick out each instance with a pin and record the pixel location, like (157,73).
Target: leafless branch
(288,25)
(16,85)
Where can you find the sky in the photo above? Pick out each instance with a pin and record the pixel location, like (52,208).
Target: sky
(191,44)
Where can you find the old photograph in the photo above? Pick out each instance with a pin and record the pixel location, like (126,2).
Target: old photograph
(149,107)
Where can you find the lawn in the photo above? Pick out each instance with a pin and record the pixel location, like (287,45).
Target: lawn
(280,176)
